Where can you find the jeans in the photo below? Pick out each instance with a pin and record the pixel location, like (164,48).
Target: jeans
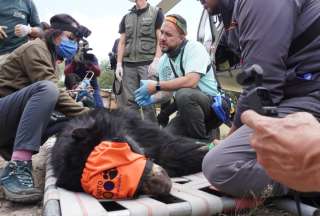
(25,115)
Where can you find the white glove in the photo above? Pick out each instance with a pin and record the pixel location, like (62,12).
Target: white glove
(21,30)
(119,72)
(3,34)
(152,70)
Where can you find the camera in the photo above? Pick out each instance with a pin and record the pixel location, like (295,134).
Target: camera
(257,98)
(83,56)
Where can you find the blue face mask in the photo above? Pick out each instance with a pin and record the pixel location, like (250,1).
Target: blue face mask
(67,48)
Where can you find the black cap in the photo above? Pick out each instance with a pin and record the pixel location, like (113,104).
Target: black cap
(66,22)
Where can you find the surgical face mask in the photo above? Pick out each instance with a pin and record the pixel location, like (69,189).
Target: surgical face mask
(67,48)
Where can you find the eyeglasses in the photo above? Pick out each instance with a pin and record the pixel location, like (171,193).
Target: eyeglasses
(109,176)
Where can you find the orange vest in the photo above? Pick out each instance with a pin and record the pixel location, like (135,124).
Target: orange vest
(112,171)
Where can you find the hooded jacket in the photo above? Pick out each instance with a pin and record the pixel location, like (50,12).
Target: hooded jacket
(263,31)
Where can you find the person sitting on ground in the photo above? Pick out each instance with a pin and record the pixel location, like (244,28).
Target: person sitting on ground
(281,37)
(81,64)
(25,114)
(28,94)
(73,85)
(185,69)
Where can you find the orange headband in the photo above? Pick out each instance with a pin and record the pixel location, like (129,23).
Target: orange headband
(176,22)
(171,19)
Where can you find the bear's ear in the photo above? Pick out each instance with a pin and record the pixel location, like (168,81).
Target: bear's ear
(84,130)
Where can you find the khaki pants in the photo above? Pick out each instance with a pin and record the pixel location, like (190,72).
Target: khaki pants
(131,82)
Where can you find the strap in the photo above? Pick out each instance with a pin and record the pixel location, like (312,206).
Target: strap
(216,78)
(172,68)
(183,71)
(181,64)
(309,35)
(114,88)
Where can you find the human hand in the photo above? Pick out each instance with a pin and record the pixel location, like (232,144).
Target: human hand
(144,90)
(152,70)
(21,30)
(288,148)
(119,72)
(3,34)
(146,101)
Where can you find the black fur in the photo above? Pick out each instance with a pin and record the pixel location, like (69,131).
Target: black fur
(177,155)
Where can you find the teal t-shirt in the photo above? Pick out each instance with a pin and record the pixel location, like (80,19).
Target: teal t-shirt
(15,12)
(195,59)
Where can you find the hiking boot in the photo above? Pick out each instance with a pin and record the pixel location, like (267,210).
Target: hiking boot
(17,183)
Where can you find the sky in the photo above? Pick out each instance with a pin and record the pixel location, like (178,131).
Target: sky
(102,17)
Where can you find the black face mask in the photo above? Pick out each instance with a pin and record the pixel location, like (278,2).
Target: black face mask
(174,53)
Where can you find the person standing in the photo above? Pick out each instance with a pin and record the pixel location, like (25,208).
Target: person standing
(18,20)
(138,51)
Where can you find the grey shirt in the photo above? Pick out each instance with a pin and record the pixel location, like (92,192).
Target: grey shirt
(263,30)
(15,12)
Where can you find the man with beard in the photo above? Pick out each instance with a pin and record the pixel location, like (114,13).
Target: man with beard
(283,37)
(185,70)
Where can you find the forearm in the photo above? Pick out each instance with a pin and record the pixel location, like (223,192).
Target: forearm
(178,83)
(158,49)
(189,81)
(121,48)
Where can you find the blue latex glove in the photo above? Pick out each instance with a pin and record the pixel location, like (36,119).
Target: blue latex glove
(145,101)
(142,92)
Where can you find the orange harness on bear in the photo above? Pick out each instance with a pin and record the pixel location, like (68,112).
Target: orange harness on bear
(113,171)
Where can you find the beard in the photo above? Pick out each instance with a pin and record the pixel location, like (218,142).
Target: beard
(165,49)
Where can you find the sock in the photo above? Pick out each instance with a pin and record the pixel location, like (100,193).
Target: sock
(21,155)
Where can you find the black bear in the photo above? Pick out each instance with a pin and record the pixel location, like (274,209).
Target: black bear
(79,146)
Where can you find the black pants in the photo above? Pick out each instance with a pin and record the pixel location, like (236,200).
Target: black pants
(195,118)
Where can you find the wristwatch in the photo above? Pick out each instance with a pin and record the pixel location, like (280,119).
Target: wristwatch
(158,87)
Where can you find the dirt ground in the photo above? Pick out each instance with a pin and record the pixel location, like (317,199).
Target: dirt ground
(13,209)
